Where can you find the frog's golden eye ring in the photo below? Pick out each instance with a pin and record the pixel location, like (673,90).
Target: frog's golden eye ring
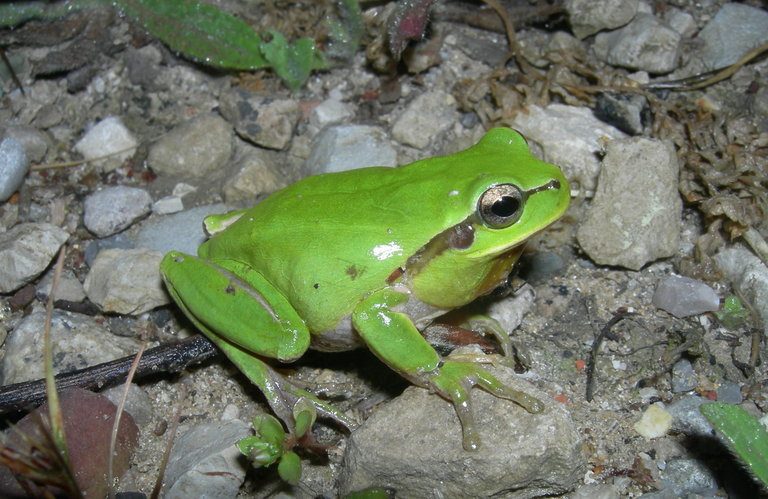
(500,206)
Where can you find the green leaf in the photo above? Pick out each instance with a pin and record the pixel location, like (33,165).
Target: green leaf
(732,314)
(304,414)
(269,429)
(743,433)
(292,62)
(198,30)
(289,468)
(260,453)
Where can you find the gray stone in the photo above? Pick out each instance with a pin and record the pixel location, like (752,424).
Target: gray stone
(689,476)
(35,142)
(25,252)
(413,444)
(205,462)
(636,214)
(261,119)
(729,393)
(109,137)
(683,377)
(573,144)
(425,119)
(731,34)
(341,148)
(78,341)
(194,150)
(14,166)
(646,43)
(255,173)
(682,297)
(587,17)
(137,403)
(126,281)
(680,21)
(686,417)
(181,231)
(330,112)
(68,287)
(114,209)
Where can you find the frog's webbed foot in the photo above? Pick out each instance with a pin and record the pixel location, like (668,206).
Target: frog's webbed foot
(453,380)
(394,339)
(283,397)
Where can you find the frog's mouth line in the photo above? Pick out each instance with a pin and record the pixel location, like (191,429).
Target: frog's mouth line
(553,184)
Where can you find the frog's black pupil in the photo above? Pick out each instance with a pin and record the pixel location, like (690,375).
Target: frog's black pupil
(505,206)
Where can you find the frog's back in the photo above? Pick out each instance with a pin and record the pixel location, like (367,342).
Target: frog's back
(328,240)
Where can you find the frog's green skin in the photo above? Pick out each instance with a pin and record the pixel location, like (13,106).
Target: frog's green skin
(370,256)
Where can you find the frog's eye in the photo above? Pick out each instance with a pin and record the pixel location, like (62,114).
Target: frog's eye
(500,206)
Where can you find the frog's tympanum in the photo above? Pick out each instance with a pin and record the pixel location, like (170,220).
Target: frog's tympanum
(369,257)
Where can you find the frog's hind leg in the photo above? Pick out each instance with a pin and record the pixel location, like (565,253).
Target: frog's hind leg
(231,300)
(281,394)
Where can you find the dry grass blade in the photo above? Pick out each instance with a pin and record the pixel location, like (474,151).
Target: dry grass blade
(118,417)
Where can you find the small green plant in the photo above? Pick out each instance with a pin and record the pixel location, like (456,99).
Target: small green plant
(732,314)
(743,434)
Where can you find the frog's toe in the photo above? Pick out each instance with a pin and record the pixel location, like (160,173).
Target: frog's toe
(454,379)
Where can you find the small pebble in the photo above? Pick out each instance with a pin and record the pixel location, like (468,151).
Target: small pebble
(730,393)
(126,281)
(25,252)
(682,297)
(114,209)
(14,166)
(108,137)
(340,148)
(683,377)
(654,423)
(687,477)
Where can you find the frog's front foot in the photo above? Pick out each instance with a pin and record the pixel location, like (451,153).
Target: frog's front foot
(454,379)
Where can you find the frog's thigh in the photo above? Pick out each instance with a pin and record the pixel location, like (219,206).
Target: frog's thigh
(232,301)
(392,336)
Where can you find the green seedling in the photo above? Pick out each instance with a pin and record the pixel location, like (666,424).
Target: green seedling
(732,314)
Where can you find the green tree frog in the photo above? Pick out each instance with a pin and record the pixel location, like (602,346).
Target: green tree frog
(369,257)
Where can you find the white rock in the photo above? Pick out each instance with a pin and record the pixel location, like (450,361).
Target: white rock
(346,147)
(167,205)
(587,17)
(646,44)
(205,462)
(426,117)
(572,143)
(735,30)
(126,281)
(636,215)
(25,252)
(654,423)
(196,149)
(109,136)
(78,341)
(330,112)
